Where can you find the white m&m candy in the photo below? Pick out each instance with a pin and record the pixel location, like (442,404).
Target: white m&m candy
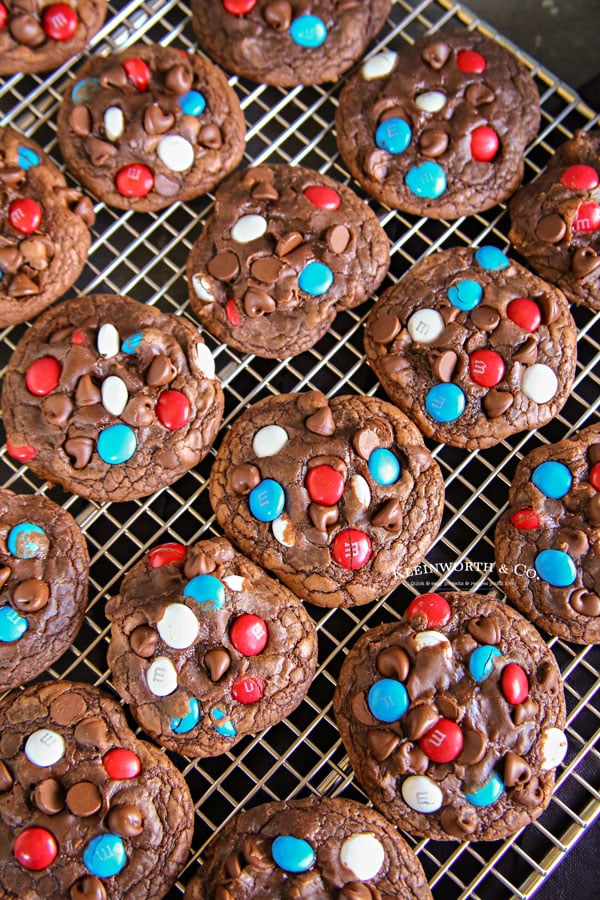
(162,677)
(554,748)
(178,626)
(176,153)
(44,747)
(422,794)
(269,440)
(379,66)
(363,854)
(539,383)
(425,326)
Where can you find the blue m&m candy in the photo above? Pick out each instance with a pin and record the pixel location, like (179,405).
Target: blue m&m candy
(84,90)
(189,721)
(27,541)
(445,402)
(227,728)
(12,625)
(481,662)
(266,500)
(27,157)
(465,294)
(556,567)
(292,854)
(193,103)
(105,855)
(384,466)
(553,479)
(206,589)
(490,257)
(427,180)
(388,700)
(315,278)
(488,793)
(393,135)
(308,31)
(131,343)
(116,444)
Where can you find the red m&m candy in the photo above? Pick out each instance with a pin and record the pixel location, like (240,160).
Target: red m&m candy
(470,61)
(249,634)
(60,21)
(525,519)
(238,7)
(587,218)
(580,178)
(164,554)
(434,607)
(323,197)
(121,764)
(248,690)
(351,548)
(484,143)
(3,15)
(325,485)
(486,367)
(35,848)
(23,453)
(25,215)
(595,476)
(43,376)
(515,686)
(78,338)
(137,72)
(234,316)
(173,410)
(525,313)
(443,742)
(135,180)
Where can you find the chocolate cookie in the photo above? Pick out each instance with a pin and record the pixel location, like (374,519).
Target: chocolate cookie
(473,347)
(150,125)
(206,648)
(44,229)
(340,498)
(110,398)
(285,249)
(453,717)
(548,541)
(287,43)
(43,576)
(333,849)
(555,220)
(87,810)
(36,36)
(440,128)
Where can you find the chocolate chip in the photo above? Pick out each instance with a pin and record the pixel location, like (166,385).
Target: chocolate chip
(161,371)
(26,30)
(85,210)
(433,142)
(210,136)
(376,164)
(436,54)
(258,303)
(364,441)
(68,708)
(478,94)
(139,412)
(266,269)
(80,450)
(99,152)
(585,261)
(385,328)
(142,641)
(12,176)
(278,15)
(244,478)
(323,517)
(5,573)
(393,112)
(125,819)
(474,747)
(548,307)
(83,799)
(115,76)
(593,511)
(49,797)
(11,259)
(443,364)
(337,238)
(234,865)
(88,887)
(393,662)
(265,191)
(418,720)
(221,893)
(156,121)
(516,770)
(189,128)
(524,711)
(31,595)
(199,563)
(410,758)
(22,286)
(91,733)
(594,453)
(224,266)
(551,229)
(388,516)
(573,541)
(382,743)
(530,794)
(334,461)
(87,393)
(547,678)
(527,352)
(495,403)
(361,711)
(355,890)
(80,120)
(217,661)
(458,822)
(449,707)
(257,852)
(288,242)
(6,778)
(486,318)
(585,603)
(321,422)
(179,80)
(484,629)
(57,408)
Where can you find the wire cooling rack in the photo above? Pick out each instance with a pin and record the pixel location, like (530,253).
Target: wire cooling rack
(144,256)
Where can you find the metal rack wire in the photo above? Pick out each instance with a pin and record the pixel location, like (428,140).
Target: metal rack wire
(144,256)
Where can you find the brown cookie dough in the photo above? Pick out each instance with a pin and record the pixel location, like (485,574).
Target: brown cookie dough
(548,541)
(285,249)
(206,648)
(150,125)
(86,809)
(439,128)
(37,36)
(339,498)
(333,849)
(44,229)
(111,398)
(43,576)
(555,220)
(453,717)
(473,347)
(287,43)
